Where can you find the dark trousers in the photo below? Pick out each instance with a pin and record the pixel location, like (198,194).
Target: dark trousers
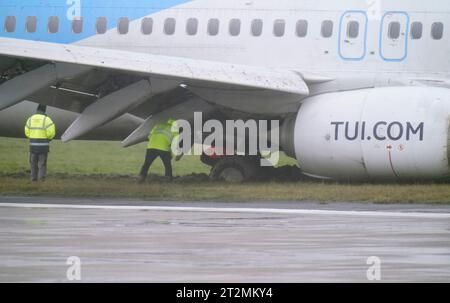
(151,156)
(38,165)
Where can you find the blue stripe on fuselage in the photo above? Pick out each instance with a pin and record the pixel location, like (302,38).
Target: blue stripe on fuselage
(90,11)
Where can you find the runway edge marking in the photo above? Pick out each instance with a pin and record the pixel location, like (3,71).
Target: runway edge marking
(236,210)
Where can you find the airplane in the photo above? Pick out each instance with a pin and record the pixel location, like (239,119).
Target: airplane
(362,87)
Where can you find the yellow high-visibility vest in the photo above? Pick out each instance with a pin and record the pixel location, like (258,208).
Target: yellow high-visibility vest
(40,126)
(161,137)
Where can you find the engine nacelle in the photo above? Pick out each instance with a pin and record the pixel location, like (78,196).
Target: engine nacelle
(379,133)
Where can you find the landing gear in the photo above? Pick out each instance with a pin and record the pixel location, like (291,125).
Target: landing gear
(235,169)
(232,168)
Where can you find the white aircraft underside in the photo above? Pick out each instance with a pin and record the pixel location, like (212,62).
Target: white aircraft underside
(377,71)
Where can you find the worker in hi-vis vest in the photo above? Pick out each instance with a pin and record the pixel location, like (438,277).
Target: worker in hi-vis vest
(160,145)
(40,129)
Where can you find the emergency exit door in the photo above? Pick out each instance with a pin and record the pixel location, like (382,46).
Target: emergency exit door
(353,35)
(394,36)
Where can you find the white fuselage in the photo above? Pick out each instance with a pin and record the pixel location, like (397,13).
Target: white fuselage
(371,56)
(289,33)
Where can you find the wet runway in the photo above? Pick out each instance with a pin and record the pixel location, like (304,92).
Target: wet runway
(136,241)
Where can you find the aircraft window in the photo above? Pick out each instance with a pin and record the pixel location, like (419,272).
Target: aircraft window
(302,28)
(169,26)
(102,25)
(235,27)
(31,24)
(416,30)
(327,28)
(437,30)
(353,29)
(77,26)
(213,27)
(257,27)
(53,25)
(279,27)
(192,26)
(147,26)
(123,26)
(10,24)
(394,30)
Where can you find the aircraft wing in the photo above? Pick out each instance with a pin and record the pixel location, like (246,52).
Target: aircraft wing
(64,75)
(176,68)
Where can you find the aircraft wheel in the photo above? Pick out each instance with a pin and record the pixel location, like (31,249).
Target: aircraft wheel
(234,169)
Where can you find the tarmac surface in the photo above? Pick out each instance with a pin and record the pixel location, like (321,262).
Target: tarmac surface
(138,241)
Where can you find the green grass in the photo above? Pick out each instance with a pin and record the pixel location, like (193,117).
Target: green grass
(104,169)
(87,157)
(125,187)
(84,157)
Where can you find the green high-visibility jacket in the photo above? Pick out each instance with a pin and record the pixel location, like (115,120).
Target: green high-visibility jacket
(40,129)
(161,137)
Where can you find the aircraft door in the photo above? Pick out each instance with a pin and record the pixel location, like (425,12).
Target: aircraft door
(353,35)
(394,36)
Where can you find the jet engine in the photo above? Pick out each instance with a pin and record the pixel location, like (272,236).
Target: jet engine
(378,133)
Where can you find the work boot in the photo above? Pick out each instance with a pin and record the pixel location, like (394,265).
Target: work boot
(141,179)
(168,179)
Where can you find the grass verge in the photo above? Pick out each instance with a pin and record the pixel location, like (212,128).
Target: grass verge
(183,190)
(104,169)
